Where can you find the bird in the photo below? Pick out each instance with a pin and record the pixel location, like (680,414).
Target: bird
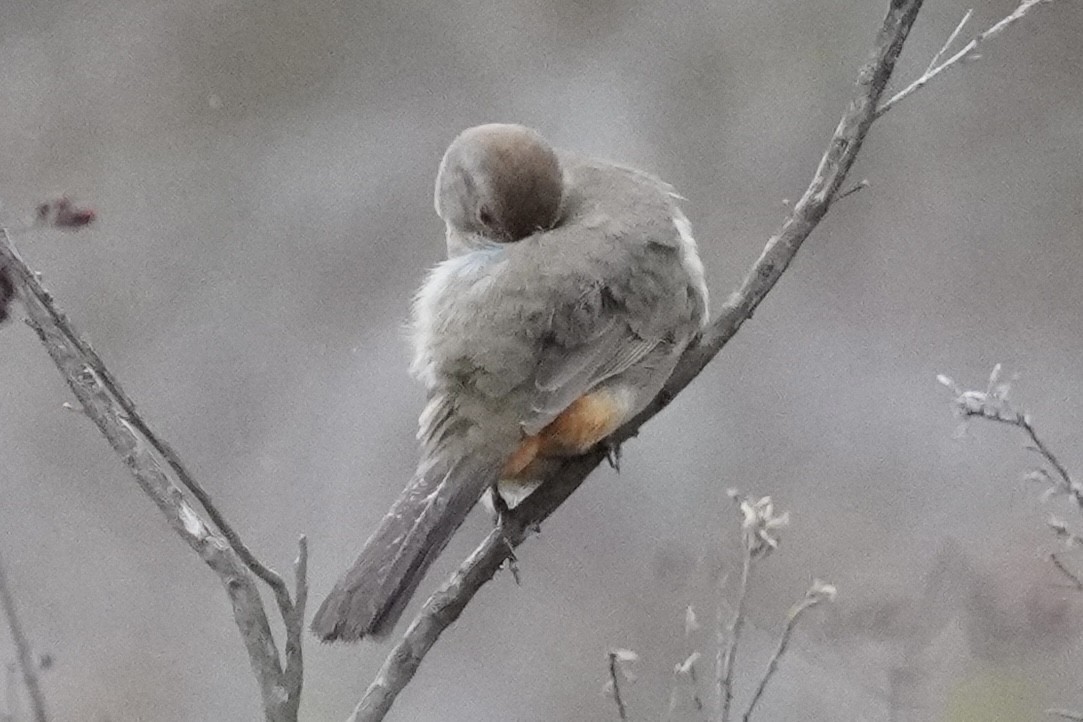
(570,289)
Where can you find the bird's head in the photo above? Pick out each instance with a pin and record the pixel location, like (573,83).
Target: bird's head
(500,182)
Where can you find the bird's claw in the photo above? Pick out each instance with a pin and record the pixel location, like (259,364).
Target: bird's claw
(502,517)
(613,454)
(501,510)
(513,562)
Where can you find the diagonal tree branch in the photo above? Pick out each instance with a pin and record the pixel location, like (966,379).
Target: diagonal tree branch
(27,664)
(161,475)
(445,605)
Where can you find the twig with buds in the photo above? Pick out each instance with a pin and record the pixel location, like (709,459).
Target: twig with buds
(759,529)
(966,53)
(992,404)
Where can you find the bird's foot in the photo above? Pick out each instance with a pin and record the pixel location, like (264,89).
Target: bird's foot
(501,519)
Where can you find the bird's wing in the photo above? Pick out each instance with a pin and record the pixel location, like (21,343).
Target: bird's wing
(626,290)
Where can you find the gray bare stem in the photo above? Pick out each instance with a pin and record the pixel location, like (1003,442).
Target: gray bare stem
(106,404)
(1071,576)
(11,692)
(693,692)
(1047,454)
(1065,714)
(27,664)
(730,636)
(622,713)
(783,643)
(445,605)
(696,701)
(293,674)
(951,39)
(1022,421)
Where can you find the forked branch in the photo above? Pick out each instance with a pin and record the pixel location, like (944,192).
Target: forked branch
(161,475)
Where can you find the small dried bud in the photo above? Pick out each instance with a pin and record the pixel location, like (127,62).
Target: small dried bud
(761,523)
(821,590)
(691,624)
(948,382)
(685,668)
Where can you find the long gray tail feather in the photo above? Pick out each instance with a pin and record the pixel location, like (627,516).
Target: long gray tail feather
(370,597)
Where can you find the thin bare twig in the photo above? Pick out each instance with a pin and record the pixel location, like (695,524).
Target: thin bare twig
(967,52)
(107,405)
(818,593)
(11,693)
(696,701)
(950,41)
(1066,714)
(759,536)
(447,603)
(622,713)
(27,664)
(992,405)
(1069,486)
(693,692)
(1071,576)
(729,635)
(862,185)
(686,670)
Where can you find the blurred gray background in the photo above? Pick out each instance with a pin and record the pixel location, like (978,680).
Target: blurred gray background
(263,177)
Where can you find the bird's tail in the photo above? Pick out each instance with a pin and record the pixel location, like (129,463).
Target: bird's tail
(371,596)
